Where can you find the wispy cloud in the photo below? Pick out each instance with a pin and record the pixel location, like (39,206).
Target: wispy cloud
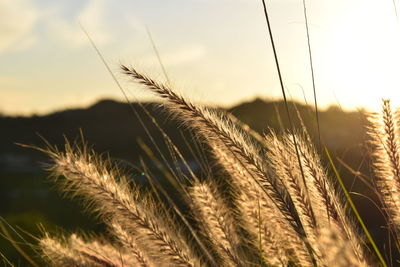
(91,17)
(17,21)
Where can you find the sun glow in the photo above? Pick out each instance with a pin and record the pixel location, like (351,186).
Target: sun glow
(361,61)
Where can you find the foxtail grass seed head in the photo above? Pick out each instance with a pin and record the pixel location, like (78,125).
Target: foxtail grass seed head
(274,213)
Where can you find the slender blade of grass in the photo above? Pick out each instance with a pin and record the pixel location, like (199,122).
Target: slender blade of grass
(286,104)
(5,260)
(153,44)
(16,246)
(312,73)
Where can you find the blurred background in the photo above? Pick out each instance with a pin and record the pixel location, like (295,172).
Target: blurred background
(217,53)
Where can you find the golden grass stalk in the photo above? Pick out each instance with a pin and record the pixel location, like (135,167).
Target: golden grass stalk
(323,197)
(101,253)
(217,221)
(266,233)
(58,254)
(384,133)
(336,249)
(128,241)
(74,251)
(325,200)
(274,237)
(88,176)
(214,126)
(247,196)
(283,160)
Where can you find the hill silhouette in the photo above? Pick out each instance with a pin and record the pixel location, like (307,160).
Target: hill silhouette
(111,126)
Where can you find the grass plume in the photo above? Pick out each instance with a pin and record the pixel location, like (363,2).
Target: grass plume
(274,212)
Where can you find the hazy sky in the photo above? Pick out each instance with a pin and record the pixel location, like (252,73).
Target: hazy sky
(215,51)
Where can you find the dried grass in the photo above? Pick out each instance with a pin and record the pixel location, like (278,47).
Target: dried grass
(269,215)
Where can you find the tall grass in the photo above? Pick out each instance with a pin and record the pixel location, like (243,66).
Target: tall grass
(273,204)
(264,210)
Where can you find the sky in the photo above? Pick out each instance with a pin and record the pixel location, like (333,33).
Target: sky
(215,51)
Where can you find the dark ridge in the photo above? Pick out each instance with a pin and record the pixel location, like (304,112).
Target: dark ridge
(111,126)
